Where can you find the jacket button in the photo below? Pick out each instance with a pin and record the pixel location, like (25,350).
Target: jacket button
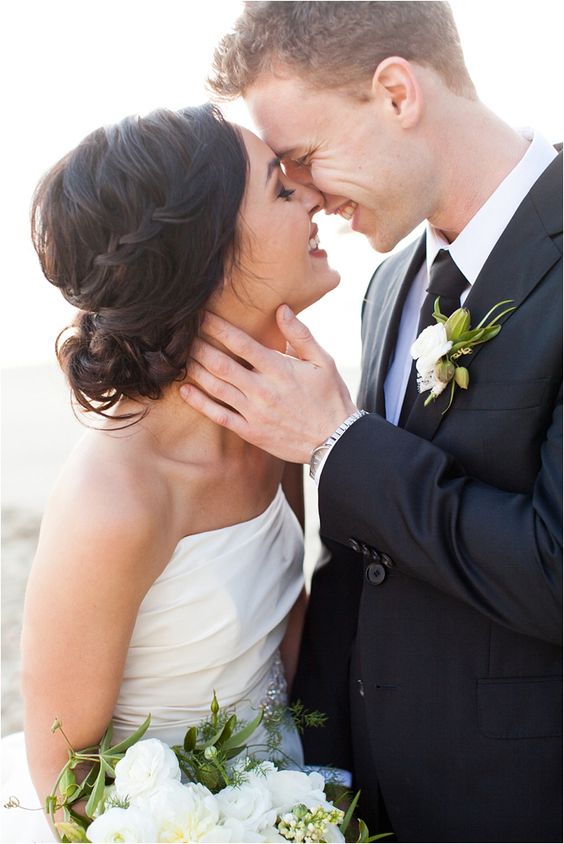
(386,560)
(375,574)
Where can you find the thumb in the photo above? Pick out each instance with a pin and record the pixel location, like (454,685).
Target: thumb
(298,335)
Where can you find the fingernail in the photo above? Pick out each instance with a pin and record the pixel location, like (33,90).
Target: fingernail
(286,314)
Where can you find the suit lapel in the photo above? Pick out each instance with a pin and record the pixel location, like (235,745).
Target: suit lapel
(381,334)
(521,258)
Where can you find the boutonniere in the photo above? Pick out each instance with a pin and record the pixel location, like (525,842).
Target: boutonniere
(439,347)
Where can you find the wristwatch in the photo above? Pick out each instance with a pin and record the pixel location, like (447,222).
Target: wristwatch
(319,454)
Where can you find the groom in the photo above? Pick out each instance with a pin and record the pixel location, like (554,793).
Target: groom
(433,633)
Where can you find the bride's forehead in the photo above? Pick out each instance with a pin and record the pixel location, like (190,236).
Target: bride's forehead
(257,149)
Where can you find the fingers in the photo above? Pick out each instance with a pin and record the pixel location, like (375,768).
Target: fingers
(299,337)
(217,413)
(237,341)
(221,365)
(216,387)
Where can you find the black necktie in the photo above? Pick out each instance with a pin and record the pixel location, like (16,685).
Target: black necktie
(446,281)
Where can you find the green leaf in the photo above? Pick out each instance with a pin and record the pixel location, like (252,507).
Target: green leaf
(190,739)
(105,743)
(499,316)
(349,813)
(437,311)
(233,751)
(227,731)
(492,310)
(134,737)
(108,768)
(244,734)
(67,784)
(97,793)
(50,804)
(452,386)
(71,831)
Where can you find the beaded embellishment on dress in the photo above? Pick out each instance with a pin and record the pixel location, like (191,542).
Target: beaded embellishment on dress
(276,694)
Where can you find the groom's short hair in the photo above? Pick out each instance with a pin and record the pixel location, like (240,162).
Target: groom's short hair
(337,44)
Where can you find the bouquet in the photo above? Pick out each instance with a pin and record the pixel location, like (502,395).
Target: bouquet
(210,788)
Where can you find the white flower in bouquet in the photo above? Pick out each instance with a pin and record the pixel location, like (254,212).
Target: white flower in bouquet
(309,825)
(250,803)
(146,766)
(187,812)
(289,788)
(240,832)
(132,825)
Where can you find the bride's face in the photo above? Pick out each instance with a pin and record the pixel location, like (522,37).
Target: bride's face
(281,260)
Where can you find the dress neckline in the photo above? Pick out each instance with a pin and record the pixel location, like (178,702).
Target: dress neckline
(279,493)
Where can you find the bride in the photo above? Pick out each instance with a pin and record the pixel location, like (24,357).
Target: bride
(170,556)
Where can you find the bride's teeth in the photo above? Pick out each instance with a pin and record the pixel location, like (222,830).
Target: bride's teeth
(347,210)
(313,243)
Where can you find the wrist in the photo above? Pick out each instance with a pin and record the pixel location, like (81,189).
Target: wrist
(320,452)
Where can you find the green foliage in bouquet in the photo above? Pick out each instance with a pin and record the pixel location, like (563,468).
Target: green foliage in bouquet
(204,758)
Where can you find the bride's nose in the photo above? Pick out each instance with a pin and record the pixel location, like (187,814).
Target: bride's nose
(312,198)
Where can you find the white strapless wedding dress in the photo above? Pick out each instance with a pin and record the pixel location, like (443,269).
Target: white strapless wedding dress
(213,619)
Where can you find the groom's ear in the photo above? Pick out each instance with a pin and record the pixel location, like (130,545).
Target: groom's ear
(397,90)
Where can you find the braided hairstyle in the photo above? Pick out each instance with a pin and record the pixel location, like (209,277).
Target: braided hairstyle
(137,227)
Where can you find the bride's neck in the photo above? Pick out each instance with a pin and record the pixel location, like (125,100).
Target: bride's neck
(176,427)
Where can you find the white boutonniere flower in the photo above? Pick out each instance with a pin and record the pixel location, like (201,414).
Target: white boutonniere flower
(438,348)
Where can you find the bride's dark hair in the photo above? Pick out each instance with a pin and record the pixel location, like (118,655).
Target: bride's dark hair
(137,227)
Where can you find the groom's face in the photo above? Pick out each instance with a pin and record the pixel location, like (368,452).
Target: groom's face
(349,148)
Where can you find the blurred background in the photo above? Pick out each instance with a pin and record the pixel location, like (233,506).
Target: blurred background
(69,67)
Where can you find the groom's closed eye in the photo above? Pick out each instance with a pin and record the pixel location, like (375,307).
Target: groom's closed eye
(298,169)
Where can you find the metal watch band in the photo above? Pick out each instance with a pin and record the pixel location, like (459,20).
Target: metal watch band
(332,439)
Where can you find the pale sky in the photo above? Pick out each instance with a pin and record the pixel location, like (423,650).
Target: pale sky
(72,65)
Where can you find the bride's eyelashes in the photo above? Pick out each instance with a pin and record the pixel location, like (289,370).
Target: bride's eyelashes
(285,193)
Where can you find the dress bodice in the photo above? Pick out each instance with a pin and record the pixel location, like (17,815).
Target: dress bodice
(213,619)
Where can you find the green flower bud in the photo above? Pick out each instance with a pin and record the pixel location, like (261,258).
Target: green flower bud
(210,752)
(444,370)
(214,704)
(457,324)
(462,377)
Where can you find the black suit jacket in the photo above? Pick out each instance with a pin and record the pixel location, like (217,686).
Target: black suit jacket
(450,534)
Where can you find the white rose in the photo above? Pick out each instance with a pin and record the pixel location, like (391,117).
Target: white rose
(145,766)
(186,813)
(249,803)
(288,788)
(431,345)
(116,824)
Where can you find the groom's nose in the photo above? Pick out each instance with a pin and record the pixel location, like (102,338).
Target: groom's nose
(301,173)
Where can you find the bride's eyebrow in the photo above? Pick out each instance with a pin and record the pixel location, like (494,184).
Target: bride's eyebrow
(273,165)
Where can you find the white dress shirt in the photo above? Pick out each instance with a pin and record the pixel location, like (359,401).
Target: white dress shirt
(470,251)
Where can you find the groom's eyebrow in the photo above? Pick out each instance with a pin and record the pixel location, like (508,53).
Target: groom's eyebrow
(273,165)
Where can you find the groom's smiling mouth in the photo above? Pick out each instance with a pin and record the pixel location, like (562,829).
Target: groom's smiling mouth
(347,209)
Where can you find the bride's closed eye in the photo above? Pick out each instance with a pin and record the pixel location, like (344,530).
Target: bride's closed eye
(285,193)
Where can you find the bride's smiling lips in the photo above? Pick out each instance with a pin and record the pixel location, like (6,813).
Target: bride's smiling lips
(313,243)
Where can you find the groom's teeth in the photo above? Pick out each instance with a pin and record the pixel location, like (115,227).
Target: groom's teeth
(313,243)
(347,210)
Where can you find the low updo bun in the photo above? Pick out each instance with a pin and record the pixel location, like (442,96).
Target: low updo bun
(137,227)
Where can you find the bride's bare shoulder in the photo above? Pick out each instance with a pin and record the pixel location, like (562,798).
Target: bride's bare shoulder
(109,498)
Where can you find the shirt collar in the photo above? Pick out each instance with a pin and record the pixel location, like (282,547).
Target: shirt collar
(471,249)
